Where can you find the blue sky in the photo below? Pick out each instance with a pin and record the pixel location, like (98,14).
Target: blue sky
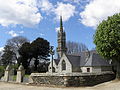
(40,18)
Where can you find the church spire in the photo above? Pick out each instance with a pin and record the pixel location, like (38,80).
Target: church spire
(61,24)
(61,40)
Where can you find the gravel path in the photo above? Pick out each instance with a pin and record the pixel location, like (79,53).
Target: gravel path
(113,85)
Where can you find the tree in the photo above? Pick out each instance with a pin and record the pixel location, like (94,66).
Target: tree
(25,54)
(40,50)
(107,40)
(75,48)
(15,43)
(7,57)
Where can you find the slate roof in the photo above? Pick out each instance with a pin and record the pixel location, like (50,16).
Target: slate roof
(83,58)
(74,60)
(96,60)
(93,59)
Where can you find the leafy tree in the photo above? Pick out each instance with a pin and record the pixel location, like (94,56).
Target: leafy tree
(75,48)
(15,43)
(7,57)
(40,50)
(107,40)
(26,54)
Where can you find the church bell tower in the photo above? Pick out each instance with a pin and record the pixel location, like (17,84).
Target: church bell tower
(61,40)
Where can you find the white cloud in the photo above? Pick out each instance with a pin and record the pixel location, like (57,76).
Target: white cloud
(24,12)
(66,10)
(58,29)
(45,6)
(98,10)
(1,49)
(13,33)
(21,32)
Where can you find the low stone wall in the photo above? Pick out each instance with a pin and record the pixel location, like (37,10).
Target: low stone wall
(71,79)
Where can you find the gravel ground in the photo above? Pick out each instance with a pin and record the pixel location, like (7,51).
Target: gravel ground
(113,85)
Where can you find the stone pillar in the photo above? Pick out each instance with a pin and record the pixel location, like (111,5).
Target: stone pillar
(7,73)
(20,74)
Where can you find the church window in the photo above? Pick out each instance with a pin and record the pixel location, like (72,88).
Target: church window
(63,65)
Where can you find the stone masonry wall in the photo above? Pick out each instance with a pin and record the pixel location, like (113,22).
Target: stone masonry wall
(72,80)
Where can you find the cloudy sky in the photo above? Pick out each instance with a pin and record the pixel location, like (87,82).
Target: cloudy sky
(40,18)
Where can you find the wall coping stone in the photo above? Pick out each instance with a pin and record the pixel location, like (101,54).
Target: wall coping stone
(70,74)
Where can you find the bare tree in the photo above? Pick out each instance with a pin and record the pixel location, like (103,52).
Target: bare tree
(75,48)
(15,43)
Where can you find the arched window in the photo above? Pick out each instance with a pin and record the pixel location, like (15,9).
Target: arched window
(63,65)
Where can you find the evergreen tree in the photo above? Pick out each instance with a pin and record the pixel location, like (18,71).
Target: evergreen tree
(25,54)
(40,50)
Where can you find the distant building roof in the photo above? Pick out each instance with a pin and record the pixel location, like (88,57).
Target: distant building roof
(74,60)
(56,61)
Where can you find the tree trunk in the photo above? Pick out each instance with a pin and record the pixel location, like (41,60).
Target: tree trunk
(118,70)
(36,64)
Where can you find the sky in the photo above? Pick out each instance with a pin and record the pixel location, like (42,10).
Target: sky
(40,18)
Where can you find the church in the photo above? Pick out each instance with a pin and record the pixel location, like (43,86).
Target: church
(68,70)
(85,62)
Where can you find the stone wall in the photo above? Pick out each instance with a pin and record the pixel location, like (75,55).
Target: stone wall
(70,80)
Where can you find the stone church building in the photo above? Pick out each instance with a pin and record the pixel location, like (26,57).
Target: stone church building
(85,62)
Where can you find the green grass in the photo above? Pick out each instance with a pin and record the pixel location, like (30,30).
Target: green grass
(27,76)
(14,77)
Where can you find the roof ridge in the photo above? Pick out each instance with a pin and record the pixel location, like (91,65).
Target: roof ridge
(91,56)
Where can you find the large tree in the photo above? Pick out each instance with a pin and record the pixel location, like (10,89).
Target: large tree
(40,50)
(107,40)
(15,43)
(75,48)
